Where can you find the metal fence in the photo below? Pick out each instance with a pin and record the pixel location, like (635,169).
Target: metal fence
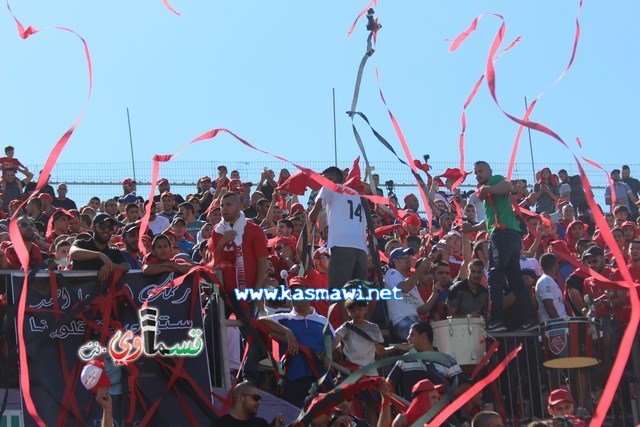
(86,180)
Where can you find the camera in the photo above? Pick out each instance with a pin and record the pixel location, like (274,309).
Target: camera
(389,184)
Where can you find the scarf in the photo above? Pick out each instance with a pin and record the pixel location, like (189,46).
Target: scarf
(236,246)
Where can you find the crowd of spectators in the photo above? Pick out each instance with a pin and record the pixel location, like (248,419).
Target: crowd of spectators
(507,252)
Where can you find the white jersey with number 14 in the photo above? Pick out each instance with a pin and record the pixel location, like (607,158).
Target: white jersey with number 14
(346,219)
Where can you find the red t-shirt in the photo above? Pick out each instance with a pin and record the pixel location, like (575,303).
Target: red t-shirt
(319,281)
(596,288)
(254,246)
(9,163)
(35,257)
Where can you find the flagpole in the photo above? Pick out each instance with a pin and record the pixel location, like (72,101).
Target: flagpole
(335,135)
(533,166)
(133,163)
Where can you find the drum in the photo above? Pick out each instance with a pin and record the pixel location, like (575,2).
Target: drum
(462,338)
(570,343)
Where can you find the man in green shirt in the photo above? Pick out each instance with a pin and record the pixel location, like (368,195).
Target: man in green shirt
(505,244)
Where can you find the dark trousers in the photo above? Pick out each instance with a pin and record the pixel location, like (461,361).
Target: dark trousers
(505,273)
(347,264)
(295,392)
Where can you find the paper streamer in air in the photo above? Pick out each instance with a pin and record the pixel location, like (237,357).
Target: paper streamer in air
(171,9)
(618,367)
(16,238)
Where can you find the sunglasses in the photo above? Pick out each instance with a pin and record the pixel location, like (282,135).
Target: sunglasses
(255,397)
(26,224)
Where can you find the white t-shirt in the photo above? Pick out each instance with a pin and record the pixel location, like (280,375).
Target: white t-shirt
(159,224)
(547,288)
(475,201)
(360,350)
(408,305)
(346,219)
(530,264)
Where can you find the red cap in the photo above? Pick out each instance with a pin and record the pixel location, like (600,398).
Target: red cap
(628,224)
(409,196)
(45,196)
(320,251)
(296,207)
(94,376)
(286,240)
(166,194)
(296,282)
(204,178)
(236,185)
(162,181)
(128,181)
(413,220)
(426,385)
(560,395)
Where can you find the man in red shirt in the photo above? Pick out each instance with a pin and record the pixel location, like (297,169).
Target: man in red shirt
(610,309)
(238,247)
(9,260)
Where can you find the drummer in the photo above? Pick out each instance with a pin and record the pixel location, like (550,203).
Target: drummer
(468,297)
(548,293)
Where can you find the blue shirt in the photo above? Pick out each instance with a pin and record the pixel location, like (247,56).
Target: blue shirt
(308,332)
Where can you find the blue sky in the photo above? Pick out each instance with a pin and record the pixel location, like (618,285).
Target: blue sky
(266,71)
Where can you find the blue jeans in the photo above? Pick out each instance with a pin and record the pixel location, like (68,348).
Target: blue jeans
(401,329)
(505,273)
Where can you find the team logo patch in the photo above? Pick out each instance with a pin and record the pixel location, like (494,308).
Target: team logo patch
(557,340)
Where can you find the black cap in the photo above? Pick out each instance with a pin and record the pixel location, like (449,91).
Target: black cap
(102,218)
(591,252)
(130,227)
(178,218)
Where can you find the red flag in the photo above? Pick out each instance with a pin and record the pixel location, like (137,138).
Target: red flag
(353,179)
(298,183)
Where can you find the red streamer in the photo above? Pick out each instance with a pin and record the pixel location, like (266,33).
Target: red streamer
(599,166)
(171,9)
(461,400)
(16,238)
(629,334)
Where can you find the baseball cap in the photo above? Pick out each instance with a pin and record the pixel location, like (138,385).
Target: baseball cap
(591,252)
(178,219)
(453,233)
(94,376)
(60,212)
(47,196)
(222,167)
(296,207)
(296,282)
(320,251)
(426,385)
(413,220)
(166,194)
(409,197)
(130,227)
(560,395)
(204,178)
(401,253)
(236,185)
(129,198)
(162,181)
(102,218)
(128,181)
